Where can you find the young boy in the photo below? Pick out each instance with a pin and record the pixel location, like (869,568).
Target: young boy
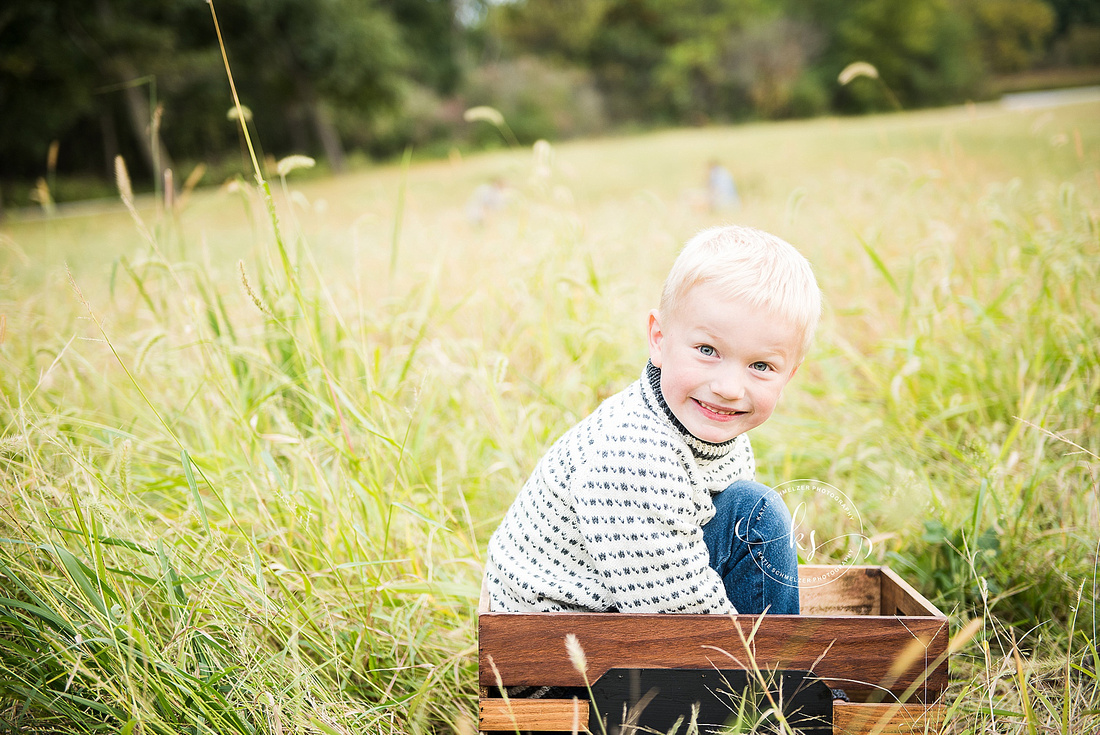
(649,503)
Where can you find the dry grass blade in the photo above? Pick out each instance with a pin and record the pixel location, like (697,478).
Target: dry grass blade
(126,192)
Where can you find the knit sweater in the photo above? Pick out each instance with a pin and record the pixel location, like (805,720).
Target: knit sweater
(612,517)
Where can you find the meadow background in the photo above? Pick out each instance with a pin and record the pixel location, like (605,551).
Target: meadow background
(252,448)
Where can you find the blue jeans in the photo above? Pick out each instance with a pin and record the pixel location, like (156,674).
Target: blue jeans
(752,549)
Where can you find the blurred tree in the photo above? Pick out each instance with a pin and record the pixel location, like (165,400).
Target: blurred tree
(1012,34)
(129,48)
(430,35)
(625,51)
(317,73)
(650,58)
(537,99)
(561,31)
(1076,37)
(67,64)
(769,58)
(90,75)
(924,50)
(39,66)
(306,57)
(1070,13)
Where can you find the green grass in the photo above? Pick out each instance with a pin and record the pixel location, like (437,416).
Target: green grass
(258,503)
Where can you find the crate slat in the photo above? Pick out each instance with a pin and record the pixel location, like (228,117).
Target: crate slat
(899,597)
(861,650)
(550,715)
(886,719)
(561,715)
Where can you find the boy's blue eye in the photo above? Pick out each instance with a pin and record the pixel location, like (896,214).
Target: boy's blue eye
(707,351)
(761,366)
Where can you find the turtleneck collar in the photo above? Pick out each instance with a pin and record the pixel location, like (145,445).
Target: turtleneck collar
(655,400)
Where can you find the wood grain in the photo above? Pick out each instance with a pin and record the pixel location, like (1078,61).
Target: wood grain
(835,590)
(824,590)
(857,652)
(563,715)
(886,719)
(900,598)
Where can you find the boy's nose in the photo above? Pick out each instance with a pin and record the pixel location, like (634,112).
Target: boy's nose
(729,385)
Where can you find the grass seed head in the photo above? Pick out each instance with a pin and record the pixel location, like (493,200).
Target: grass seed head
(290,163)
(251,293)
(857,69)
(125,453)
(233,115)
(576,653)
(485,113)
(122,178)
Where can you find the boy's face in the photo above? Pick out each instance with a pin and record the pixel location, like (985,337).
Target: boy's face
(723,363)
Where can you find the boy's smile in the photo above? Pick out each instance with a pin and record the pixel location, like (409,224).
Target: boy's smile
(724,363)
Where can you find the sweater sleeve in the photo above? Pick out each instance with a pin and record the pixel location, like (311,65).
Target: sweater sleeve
(641,531)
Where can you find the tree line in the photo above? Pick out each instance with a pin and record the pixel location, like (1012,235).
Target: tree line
(83,81)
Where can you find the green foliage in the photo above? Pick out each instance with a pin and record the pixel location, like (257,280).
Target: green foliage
(1012,33)
(431,34)
(1080,46)
(1074,12)
(667,59)
(923,51)
(537,100)
(563,31)
(297,64)
(771,61)
(375,77)
(344,52)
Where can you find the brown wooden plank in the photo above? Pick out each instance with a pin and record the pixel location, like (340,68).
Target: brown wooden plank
(900,598)
(886,719)
(561,715)
(825,590)
(529,648)
(836,590)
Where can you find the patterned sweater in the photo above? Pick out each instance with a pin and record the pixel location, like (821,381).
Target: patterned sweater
(611,518)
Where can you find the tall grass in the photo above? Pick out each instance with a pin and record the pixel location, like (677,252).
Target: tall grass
(249,463)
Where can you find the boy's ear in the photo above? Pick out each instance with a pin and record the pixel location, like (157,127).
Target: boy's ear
(656,337)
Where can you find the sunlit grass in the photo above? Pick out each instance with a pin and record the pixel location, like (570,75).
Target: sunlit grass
(243,495)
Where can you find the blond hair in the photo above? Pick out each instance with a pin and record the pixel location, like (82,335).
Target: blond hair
(751,266)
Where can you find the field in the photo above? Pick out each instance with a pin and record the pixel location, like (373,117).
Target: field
(250,458)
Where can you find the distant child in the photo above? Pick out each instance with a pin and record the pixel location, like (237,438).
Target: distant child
(721,191)
(649,504)
(486,199)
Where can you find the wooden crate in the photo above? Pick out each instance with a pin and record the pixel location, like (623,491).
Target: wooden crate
(863,630)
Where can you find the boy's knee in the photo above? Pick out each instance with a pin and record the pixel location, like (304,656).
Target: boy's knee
(762,509)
